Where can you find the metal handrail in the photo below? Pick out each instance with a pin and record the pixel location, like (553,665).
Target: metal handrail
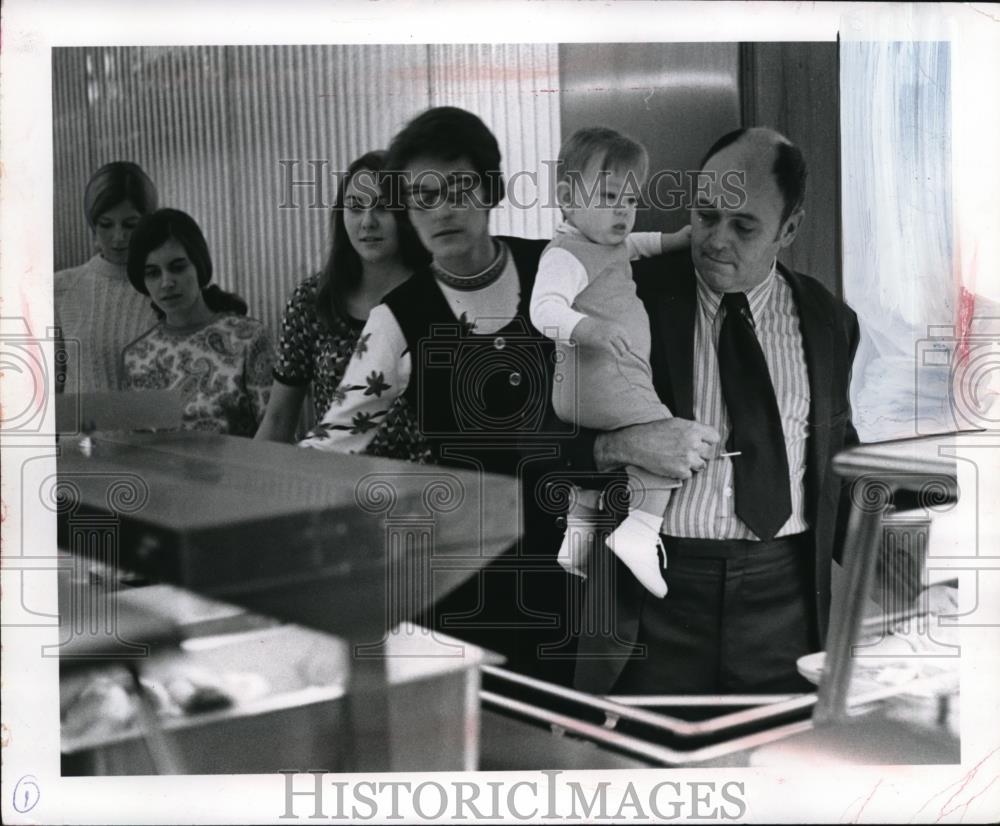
(663,722)
(682,700)
(607,735)
(635,746)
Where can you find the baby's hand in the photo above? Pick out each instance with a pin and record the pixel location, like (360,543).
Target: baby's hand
(591,332)
(670,241)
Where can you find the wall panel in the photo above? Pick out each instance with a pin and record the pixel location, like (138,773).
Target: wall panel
(674,98)
(794,88)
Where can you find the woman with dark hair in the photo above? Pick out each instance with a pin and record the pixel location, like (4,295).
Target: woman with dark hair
(371,254)
(457,342)
(95,307)
(205,345)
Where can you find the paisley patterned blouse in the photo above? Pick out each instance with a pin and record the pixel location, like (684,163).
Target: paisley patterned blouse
(310,351)
(222,367)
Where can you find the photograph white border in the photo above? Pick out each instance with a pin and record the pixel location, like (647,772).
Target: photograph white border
(30,725)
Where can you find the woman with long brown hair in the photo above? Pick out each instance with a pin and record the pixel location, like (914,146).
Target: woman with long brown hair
(371,254)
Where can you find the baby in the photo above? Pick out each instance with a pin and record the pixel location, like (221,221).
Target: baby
(584,295)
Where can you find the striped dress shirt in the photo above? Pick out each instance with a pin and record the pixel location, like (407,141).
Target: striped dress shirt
(705,507)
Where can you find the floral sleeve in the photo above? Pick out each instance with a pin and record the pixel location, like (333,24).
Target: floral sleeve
(376,376)
(257,371)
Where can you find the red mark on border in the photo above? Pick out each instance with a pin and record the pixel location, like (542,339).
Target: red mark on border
(966,312)
(962,784)
(864,802)
(867,800)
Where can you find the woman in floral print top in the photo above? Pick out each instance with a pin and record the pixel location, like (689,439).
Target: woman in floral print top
(204,345)
(321,329)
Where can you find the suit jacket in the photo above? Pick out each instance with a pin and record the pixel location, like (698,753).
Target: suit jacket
(666,284)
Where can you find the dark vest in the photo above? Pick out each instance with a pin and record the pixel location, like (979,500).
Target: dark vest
(485,402)
(476,397)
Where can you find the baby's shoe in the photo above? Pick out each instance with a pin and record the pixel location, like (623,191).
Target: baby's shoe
(639,547)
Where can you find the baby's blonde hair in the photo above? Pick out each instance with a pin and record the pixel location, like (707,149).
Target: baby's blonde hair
(616,151)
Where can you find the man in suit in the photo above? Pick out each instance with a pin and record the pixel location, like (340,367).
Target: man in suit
(752,359)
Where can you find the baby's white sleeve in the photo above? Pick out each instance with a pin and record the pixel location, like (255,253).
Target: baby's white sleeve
(560,279)
(643,245)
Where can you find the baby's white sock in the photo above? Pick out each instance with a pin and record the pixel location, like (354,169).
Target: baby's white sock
(578,541)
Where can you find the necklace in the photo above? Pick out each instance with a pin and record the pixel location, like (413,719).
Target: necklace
(477,280)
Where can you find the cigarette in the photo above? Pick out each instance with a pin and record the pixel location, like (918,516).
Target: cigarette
(731,453)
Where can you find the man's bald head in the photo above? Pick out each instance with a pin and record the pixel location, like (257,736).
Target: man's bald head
(734,245)
(745,148)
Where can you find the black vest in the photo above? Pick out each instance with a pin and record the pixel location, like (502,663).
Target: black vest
(476,397)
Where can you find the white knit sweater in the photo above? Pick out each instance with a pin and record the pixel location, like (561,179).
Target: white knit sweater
(99,312)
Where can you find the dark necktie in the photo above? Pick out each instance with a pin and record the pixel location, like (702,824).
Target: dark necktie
(763,497)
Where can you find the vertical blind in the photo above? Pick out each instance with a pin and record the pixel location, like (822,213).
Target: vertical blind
(248,139)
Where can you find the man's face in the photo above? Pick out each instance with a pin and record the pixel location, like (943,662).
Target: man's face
(734,245)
